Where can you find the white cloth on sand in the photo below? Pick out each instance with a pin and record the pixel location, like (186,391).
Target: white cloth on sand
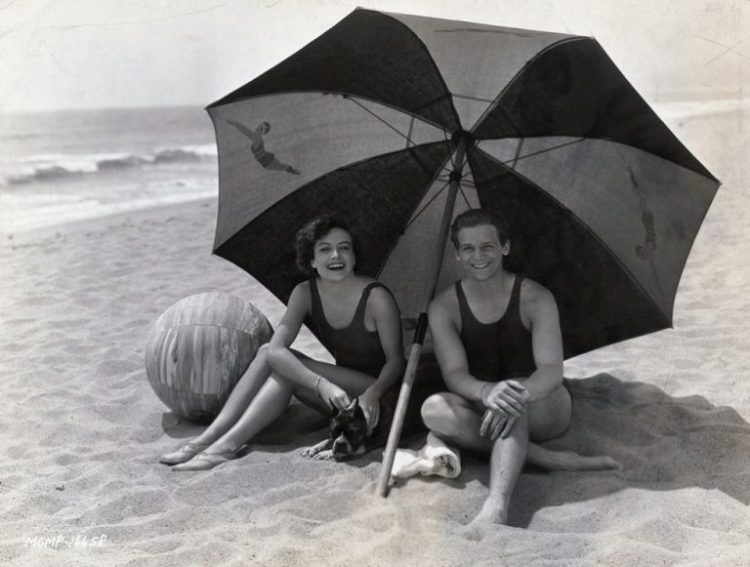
(435,458)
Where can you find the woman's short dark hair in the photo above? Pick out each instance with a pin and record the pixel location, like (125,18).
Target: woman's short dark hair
(308,235)
(476,217)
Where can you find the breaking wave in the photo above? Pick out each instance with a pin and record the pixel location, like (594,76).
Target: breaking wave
(56,167)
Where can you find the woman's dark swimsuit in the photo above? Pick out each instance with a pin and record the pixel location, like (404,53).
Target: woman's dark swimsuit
(500,350)
(353,346)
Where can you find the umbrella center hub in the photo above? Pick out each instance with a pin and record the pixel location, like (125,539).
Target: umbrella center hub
(464,135)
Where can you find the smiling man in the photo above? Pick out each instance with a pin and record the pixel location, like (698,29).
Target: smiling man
(498,342)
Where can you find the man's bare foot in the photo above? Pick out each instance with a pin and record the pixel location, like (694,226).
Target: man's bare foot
(485,523)
(492,513)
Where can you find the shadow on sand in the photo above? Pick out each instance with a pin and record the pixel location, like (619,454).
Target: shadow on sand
(664,443)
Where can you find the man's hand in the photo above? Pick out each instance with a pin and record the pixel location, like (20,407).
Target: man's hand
(496,423)
(508,396)
(370,404)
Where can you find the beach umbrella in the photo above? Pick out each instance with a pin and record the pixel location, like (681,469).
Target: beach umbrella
(401,122)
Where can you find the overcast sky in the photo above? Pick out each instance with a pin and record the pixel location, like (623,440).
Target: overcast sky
(113,53)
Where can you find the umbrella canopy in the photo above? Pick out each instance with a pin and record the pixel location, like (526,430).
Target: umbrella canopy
(602,200)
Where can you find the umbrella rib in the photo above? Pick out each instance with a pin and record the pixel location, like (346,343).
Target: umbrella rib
(510,83)
(446,96)
(468,97)
(465,161)
(347,167)
(602,243)
(383,120)
(432,180)
(515,159)
(466,199)
(553,148)
(518,158)
(411,131)
(447,91)
(435,196)
(342,94)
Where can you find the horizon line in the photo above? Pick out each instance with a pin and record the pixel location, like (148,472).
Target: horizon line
(664,97)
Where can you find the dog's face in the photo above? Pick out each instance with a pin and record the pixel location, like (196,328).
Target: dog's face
(348,432)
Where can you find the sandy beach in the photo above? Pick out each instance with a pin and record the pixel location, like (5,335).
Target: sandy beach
(81,428)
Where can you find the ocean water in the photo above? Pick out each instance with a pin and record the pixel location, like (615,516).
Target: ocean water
(60,167)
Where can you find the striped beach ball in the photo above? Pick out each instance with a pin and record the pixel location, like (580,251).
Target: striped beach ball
(199,348)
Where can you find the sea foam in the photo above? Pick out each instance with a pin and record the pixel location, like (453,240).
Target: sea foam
(52,167)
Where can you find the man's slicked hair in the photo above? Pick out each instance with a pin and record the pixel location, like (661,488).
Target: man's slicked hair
(476,217)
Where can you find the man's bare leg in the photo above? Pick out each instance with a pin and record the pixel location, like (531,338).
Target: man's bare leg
(457,421)
(506,462)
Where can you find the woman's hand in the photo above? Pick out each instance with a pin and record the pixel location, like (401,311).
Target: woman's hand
(332,394)
(508,397)
(370,404)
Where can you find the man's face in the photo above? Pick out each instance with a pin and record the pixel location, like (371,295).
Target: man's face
(480,251)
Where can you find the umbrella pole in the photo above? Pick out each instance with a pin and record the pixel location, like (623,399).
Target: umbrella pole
(415,350)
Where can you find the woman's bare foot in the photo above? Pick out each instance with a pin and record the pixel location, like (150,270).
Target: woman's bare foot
(183,454)
(211,457)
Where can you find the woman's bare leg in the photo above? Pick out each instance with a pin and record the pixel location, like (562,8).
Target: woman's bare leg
(271,400)
(267,405)
(242,395)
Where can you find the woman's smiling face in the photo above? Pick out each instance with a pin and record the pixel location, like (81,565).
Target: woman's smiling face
(333,257)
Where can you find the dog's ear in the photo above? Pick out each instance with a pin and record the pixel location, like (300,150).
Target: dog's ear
(336,410)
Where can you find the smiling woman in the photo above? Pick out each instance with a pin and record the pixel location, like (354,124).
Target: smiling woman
(356,319)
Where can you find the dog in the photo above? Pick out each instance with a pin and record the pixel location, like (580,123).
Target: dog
(348,435)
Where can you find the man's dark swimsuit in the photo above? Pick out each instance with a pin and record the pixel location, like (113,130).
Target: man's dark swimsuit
(500,350)
(353,346)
